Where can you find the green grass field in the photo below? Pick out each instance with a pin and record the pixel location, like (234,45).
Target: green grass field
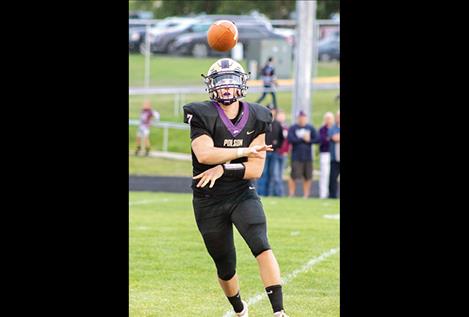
(173,70)
(171,273)
(141,165)
(322,101)
(179,140)
(170,70)
(153,166)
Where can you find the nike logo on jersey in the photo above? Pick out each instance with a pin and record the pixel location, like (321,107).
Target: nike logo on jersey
(252,187)
(249,132)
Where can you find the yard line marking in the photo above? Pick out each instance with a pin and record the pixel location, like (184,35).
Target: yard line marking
(336,216)
(142,228)
(141,202)
(308,265)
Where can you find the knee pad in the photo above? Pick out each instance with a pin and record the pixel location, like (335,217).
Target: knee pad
(226,266)
(260,247)
(221,249)
(258,241)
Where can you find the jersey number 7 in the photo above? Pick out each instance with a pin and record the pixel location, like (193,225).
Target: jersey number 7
(189,118)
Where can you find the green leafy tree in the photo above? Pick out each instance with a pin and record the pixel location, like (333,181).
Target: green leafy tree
(273,9)
(324,8)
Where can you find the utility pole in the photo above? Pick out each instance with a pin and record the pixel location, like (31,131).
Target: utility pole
(306,16)
(147,56)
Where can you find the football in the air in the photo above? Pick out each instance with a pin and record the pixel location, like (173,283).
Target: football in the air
(222,35)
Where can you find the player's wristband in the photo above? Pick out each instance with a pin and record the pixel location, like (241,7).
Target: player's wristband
(235,170)
(240,152)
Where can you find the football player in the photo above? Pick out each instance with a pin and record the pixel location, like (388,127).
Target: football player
(228,153)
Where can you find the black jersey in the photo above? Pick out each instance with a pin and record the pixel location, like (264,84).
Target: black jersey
(209,118)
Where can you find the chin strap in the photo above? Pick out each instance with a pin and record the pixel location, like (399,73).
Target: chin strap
(226,102)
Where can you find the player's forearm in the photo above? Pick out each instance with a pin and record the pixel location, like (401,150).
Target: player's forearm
(253,169)
(217,155)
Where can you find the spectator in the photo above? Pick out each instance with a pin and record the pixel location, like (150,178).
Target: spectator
(263,182)
(147,115)
(325,155)
(301,135)
(269,79)
(334,146)
(278,156)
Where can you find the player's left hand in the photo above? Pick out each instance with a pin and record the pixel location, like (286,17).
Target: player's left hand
(254,151)
(210,175)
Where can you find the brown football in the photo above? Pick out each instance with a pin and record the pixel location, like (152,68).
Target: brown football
(222,35)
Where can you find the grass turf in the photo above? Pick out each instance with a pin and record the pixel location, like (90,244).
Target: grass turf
(166,70)
(171,272)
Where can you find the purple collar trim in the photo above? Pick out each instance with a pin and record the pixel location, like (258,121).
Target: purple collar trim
(234,129)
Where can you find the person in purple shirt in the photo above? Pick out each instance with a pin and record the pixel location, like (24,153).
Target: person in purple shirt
(325,155)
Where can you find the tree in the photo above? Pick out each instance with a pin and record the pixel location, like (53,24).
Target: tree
(274,9)
(185,7)
(278,9)
(324,8)
(141,5)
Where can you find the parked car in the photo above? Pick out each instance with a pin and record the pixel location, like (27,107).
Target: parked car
(141,15)
(329,49)
(326,31)
(164,40)
(237,19)
(136,37)
(196,43)
(161,38)
(169,23)
(137,30)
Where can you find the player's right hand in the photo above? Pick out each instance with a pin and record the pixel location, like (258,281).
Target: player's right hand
(254,151)
(210,175)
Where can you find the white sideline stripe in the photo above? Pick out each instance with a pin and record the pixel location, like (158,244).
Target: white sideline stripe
(141,202)
(312,262)
(168,155)
(336,216)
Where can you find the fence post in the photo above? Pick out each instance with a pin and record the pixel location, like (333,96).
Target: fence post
(165,139)
(183,101)
(176,103)
(147,57)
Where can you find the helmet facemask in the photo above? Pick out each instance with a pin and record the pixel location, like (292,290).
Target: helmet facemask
(218,81)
